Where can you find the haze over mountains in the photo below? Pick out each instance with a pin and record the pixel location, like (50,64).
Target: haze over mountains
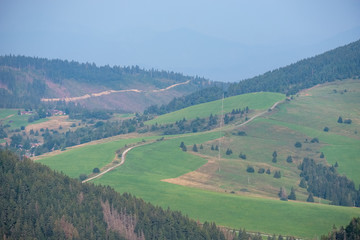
(219,41)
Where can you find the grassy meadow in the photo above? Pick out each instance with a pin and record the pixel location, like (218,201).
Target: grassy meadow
(147,165)
(255,101)
(239,199)
(11,117)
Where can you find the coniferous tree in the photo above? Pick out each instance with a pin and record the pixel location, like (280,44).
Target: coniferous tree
(277,174)
(340,120)
(310,198)
(292,195)
(289,159)
(282,194)
(303,183)
(195,149)
(228,151)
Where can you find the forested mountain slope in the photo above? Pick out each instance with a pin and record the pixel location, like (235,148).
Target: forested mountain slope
(37,203)
(338,64)
(26,80)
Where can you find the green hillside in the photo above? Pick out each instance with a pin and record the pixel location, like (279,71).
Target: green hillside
(146,166)
(255,101)
(224,191)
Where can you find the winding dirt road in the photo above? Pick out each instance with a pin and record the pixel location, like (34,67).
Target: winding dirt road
(123,156)
(70,99)
(117,165)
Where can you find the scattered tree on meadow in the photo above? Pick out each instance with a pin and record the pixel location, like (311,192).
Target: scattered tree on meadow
(303,183)
(250,169)
(212,148)
(242,155)
(314,140)
(340,120)
(298,145)
(322,155)
(195,149)
(277,174)
(310,198)
(96,170)
(183,147)
(268,171)
(292,195)
(326,129)
(282,194)
(201,146)
(289,159)
(228,151)
(216,148)
(261,170)
(347,121)
(274,159)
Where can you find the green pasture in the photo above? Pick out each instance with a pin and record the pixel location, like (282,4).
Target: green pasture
(147,165)
(82,160)
(255,101)
(16,121)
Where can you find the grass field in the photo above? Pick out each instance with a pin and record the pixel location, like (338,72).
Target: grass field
(16,121)
(255,101)
(82,160)
(301,119)
(147,165)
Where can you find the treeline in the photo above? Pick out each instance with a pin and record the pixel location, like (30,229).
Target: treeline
(340,63)
(350,232)
(58,70)
(337,64)
(38,203)
(23,78)
(201,96)
(54,140)
(325,182)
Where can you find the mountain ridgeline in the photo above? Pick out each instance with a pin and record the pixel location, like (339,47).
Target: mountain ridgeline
(25,80)
(338,64)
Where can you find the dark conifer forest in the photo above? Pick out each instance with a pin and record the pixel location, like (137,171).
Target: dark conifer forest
(38,203)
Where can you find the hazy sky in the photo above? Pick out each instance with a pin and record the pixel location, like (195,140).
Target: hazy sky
(220,40)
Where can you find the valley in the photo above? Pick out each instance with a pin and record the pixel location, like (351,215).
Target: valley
(233,197)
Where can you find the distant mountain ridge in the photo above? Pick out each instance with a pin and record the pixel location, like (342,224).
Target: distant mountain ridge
(25,80)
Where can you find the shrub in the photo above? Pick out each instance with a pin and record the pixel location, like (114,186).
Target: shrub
(340,120)
(347,121)
(268,171)
(277,174)
(314,140)
(250,169)
(298,145)
(322,155)
(261,170)
(82,177)
(229,151)
(326,129)
(242,156)
(96,170)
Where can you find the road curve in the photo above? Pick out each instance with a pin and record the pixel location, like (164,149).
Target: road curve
(113,167)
